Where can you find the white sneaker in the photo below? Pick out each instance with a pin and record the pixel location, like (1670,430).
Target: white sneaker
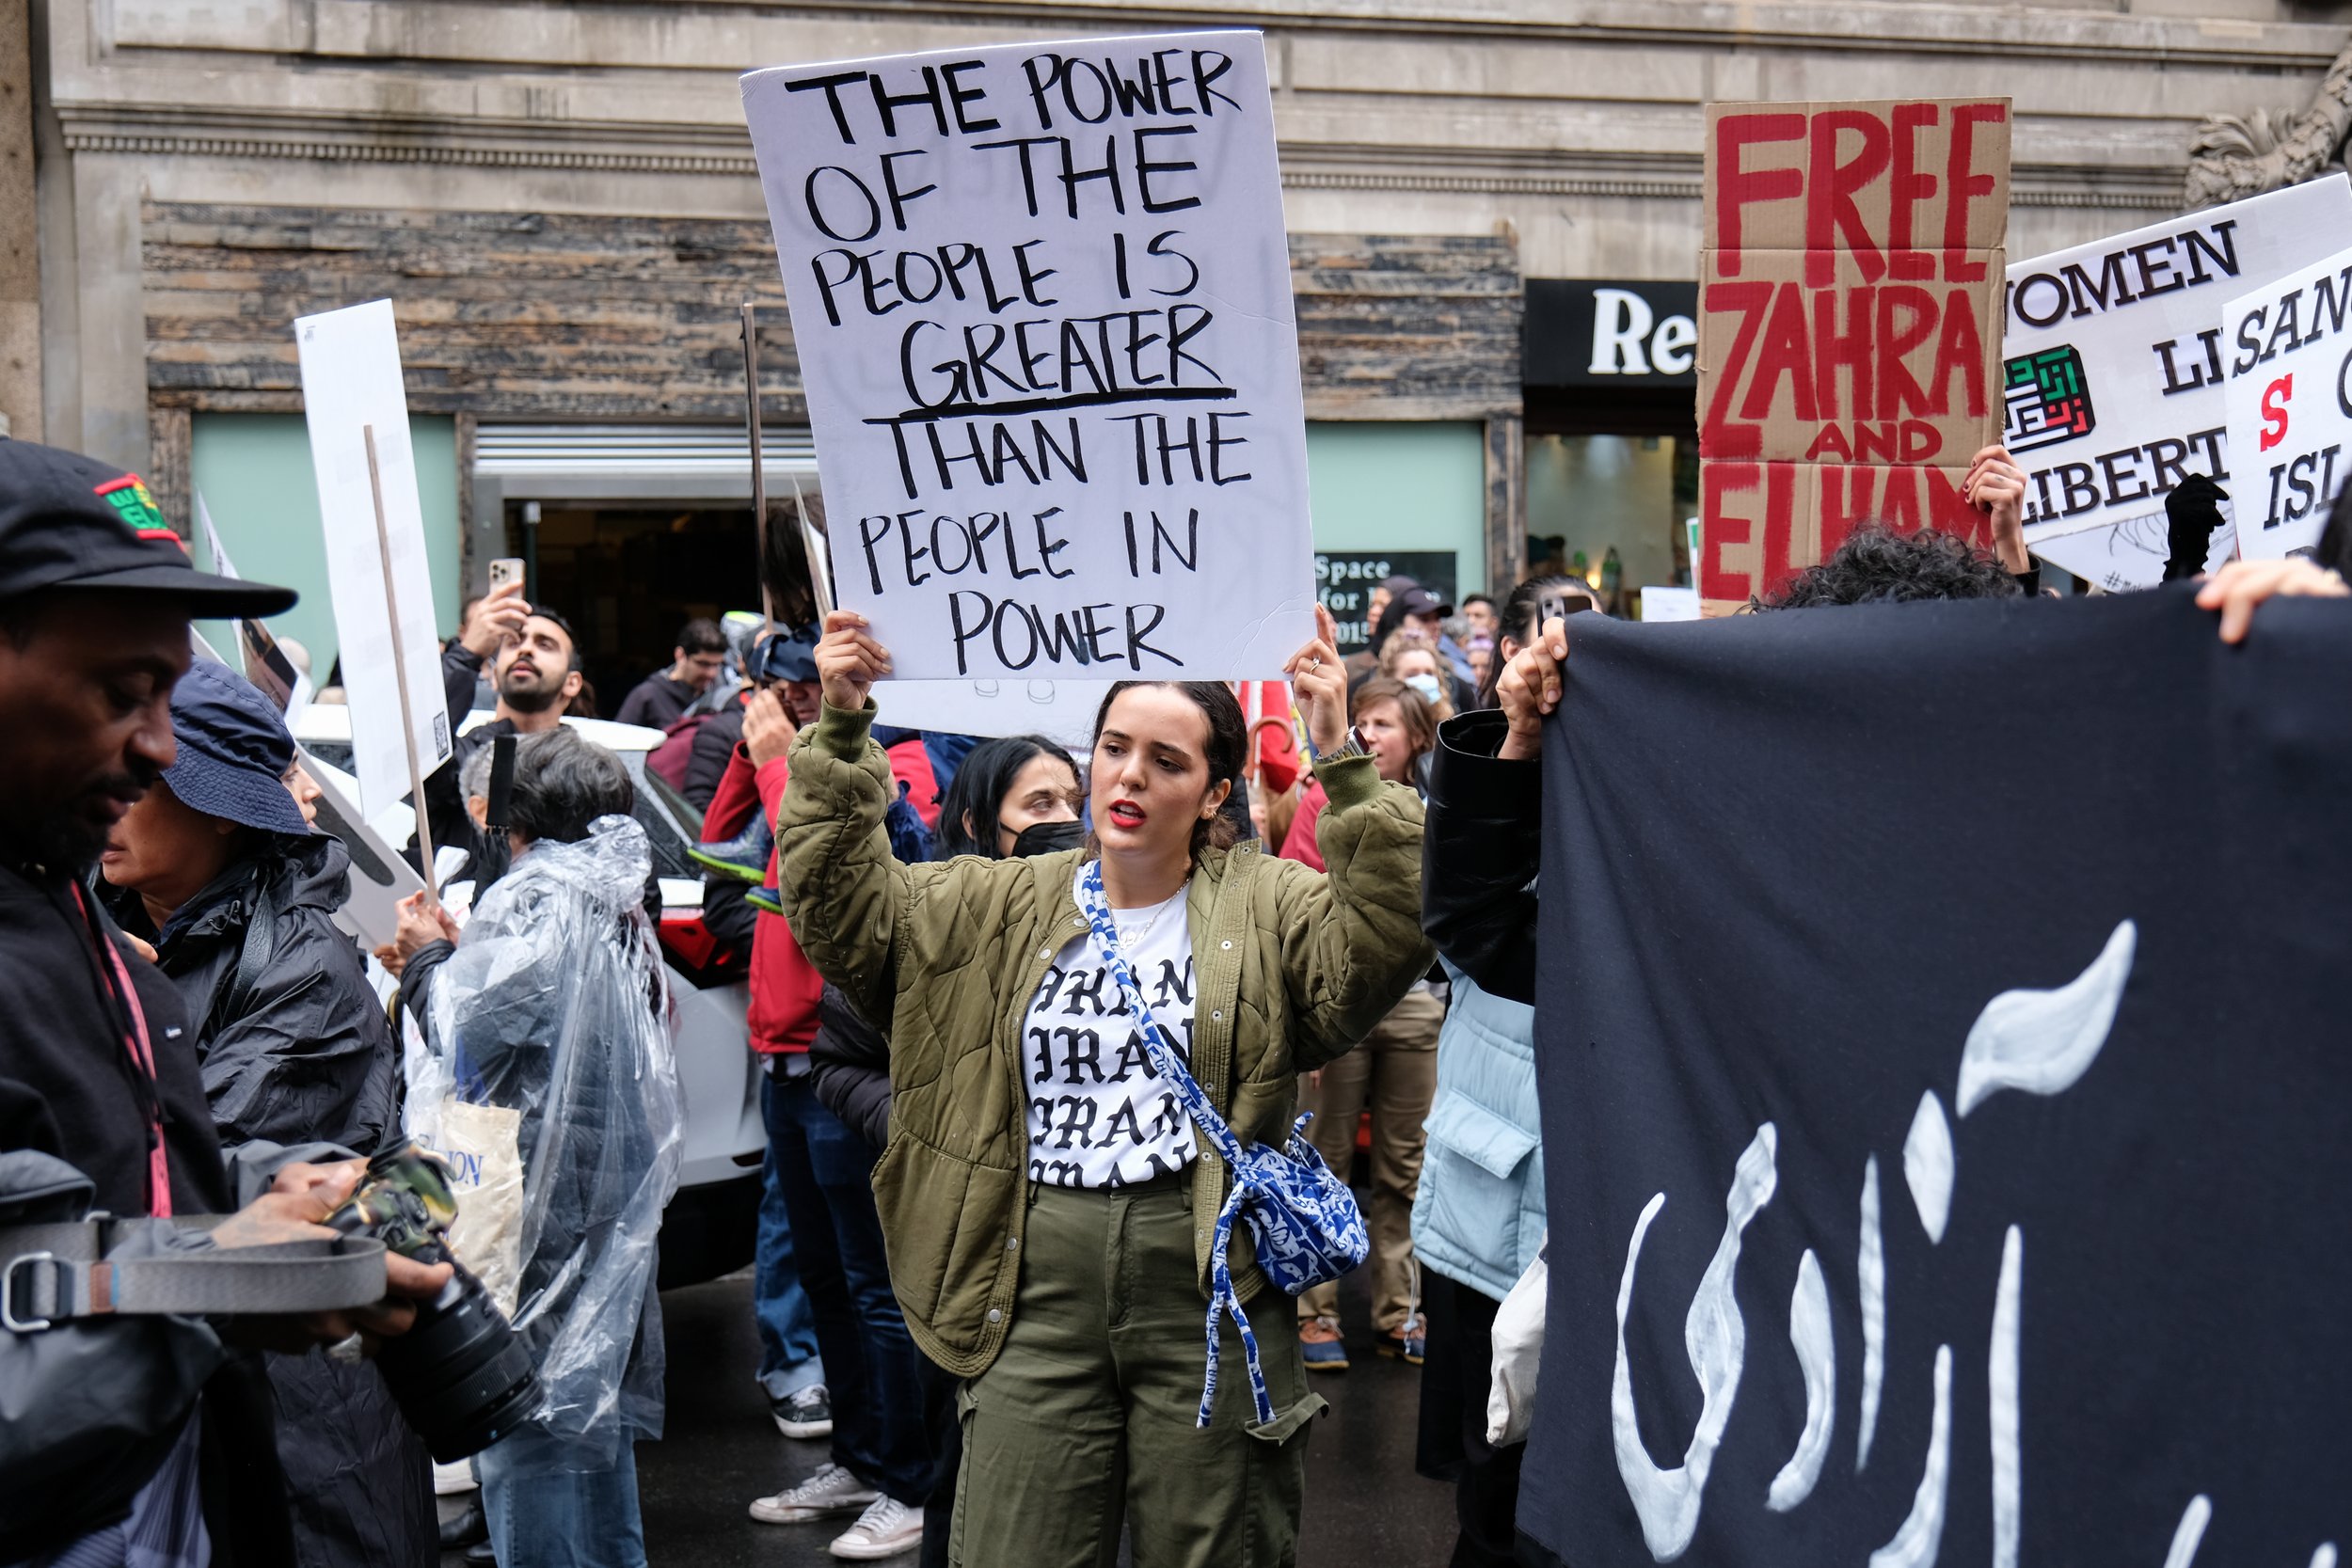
(828,1494)
(887,1527)
(451,1479)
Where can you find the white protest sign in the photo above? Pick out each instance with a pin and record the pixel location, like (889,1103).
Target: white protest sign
(1041,298)
(381,876)
(221,563)
(1061,711)
(265,663)
(2114,370)
(1670,603)
(2290,403)
(351,384)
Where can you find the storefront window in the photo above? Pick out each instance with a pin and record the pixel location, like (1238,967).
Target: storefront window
(1595,501)
(1613,451)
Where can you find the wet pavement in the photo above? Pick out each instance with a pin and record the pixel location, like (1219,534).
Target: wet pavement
(1364,1503)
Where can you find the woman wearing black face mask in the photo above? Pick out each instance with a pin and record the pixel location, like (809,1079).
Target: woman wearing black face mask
(1011,799)
(1021,785)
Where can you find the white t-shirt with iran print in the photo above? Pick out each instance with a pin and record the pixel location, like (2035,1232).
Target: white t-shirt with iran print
(1099,1117)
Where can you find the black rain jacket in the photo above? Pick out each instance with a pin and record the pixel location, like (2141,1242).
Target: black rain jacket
(1480,855)
(848,1065)
(294,1048)
(293,1045)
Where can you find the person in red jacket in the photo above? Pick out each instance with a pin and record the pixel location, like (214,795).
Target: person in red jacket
(792,1274)
(817,1227)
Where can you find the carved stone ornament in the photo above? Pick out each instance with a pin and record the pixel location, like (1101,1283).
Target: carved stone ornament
(2235,156)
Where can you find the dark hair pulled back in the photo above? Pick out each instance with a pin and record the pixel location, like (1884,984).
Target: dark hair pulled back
(1228,749)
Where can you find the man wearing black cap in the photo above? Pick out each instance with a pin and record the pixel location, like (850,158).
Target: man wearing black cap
(96,1069)
(1425,611)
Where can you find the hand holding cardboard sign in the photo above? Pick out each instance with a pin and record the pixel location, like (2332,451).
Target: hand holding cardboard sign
(1996,486)
(848,661)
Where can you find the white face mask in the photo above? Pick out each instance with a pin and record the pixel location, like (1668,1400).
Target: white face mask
(1426,684)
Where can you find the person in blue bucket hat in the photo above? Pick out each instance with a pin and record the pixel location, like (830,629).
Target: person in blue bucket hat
(216,869)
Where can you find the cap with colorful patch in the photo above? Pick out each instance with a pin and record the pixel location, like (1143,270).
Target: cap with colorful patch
(71,522)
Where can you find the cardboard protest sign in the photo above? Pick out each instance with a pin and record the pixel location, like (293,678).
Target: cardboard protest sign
(2290,406)
(2113,385)
(265,663)
(350,384)
(1041,300)
(1849,339)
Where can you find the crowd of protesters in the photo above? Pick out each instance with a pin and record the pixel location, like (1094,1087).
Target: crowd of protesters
(1006,1005)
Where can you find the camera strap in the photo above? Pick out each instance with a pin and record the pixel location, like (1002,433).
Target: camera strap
(53,1273)
(115,979)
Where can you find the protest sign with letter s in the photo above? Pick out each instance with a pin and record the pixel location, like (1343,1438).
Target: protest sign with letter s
(2289,399)
(351,385)
(1041,300)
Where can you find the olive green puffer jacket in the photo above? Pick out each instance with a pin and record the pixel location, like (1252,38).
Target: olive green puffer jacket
(1293,966)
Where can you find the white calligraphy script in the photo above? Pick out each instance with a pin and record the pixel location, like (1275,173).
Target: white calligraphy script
(2037,1041)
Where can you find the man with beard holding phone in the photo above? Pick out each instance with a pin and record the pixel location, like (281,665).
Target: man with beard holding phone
(101,1103)
(536,673)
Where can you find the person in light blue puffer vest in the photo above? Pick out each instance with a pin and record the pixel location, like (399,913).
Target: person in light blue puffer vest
(1477,1224)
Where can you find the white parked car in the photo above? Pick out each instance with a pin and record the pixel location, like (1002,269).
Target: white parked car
(710,1226)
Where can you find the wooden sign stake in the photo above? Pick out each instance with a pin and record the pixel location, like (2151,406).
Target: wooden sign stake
(400,672)
(759,463)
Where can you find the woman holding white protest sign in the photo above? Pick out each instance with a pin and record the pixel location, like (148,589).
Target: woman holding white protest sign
(1086,1046)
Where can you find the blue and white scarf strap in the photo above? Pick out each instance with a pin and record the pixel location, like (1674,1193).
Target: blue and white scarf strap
(1303,1218)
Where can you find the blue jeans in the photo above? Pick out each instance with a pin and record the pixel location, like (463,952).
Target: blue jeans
(789,1361)
(872,1368)
(542,1518)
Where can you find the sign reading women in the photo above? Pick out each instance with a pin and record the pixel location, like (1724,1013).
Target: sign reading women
(1850,312)
(1041,298)
(2118,351)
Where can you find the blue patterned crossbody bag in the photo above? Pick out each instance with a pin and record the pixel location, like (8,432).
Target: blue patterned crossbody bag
(1303,1218)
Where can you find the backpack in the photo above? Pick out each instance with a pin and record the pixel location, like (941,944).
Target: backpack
(669,759)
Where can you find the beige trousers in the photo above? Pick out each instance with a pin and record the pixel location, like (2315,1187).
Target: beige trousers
(1394,1074)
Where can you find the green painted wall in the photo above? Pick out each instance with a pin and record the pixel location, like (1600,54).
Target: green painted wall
(254,473)
(1400,487)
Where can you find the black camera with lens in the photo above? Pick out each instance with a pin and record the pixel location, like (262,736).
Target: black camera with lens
(462,1376)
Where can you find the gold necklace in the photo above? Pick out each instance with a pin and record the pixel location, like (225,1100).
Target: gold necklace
(1127,937)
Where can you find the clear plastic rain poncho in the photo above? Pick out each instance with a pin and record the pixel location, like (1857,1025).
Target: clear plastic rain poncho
(554,1006)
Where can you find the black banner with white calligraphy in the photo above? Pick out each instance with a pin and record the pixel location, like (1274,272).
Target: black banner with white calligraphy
(1947,1098)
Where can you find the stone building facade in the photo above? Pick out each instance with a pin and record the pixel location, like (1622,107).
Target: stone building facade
(560,200)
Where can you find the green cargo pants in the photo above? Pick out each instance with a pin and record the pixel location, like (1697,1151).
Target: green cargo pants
(1085,1419)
